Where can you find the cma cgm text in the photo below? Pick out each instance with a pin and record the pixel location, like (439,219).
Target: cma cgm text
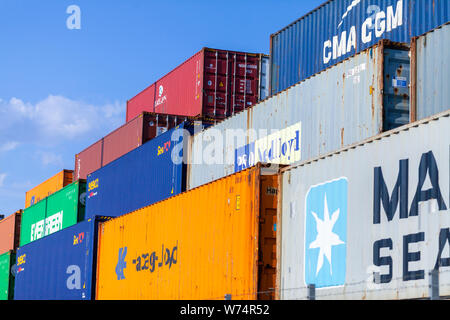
(346,42)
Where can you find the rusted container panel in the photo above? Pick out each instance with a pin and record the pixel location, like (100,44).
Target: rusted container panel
(433,72)
(212,241)
(48,187)
(370,221)
(10,232)
(128,137)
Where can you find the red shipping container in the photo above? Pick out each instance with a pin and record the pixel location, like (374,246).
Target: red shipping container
(128,137)
(10,232)
(211,84)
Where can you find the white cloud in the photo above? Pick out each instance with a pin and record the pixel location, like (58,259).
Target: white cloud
(2,178)
(50,158)
(55,119)
(9,146)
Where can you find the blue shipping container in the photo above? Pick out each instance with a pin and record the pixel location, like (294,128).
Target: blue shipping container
(60,266)
(141,177)
(340,28)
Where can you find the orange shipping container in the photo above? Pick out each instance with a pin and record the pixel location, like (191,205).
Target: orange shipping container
(216,240)
(10,232)
(48,187)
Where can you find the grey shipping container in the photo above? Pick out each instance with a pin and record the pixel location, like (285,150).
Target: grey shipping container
(338,29)
(431,73)
(352,101)
(370,221)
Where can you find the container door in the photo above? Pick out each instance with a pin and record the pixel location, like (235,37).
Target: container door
(396,104)
(267,238)
(231,83)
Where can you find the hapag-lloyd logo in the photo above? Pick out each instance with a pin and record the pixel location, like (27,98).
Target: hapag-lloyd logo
(281,147)
(375,26)
(161,98)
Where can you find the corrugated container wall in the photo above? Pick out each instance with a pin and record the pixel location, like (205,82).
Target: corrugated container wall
(433,72)
(7,260)
(340,28)
(10,232)
(128,137)
(146,175)
(337,107)
(58,211)
(212,84)
(60,266)
(204,244)
(370,221)
(55,183)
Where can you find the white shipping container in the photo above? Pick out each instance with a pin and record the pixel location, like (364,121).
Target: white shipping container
(369,221)
(433,72)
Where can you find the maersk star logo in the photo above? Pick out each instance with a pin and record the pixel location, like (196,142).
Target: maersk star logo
(326,234)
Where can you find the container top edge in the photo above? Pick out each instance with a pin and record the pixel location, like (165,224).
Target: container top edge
(60,172)
(372,139)
(186,61)
(59,191)
(257,167)
(301,18)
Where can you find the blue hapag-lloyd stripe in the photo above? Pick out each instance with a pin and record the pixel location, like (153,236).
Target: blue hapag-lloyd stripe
(341,28)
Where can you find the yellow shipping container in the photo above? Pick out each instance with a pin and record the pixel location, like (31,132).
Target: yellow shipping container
(216,240)
(48,187)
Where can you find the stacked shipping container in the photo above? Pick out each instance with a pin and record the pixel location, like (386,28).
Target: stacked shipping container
(148,174)
(383,205)
(128,137)
(431,76)
(9,241)
(56,212)
(207,243)
(60,266)
(48,187)
(220,239)
(211,84)
(310,119)
(7,261)
(10,232)
(338,29)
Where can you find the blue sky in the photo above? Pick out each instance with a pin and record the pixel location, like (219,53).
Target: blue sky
(61,89)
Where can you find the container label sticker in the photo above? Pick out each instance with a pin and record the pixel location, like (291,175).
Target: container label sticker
(326,234)
(399,82)
(281,147)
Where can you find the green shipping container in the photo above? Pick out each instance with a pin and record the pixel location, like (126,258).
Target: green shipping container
(6,277)
(56,212)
